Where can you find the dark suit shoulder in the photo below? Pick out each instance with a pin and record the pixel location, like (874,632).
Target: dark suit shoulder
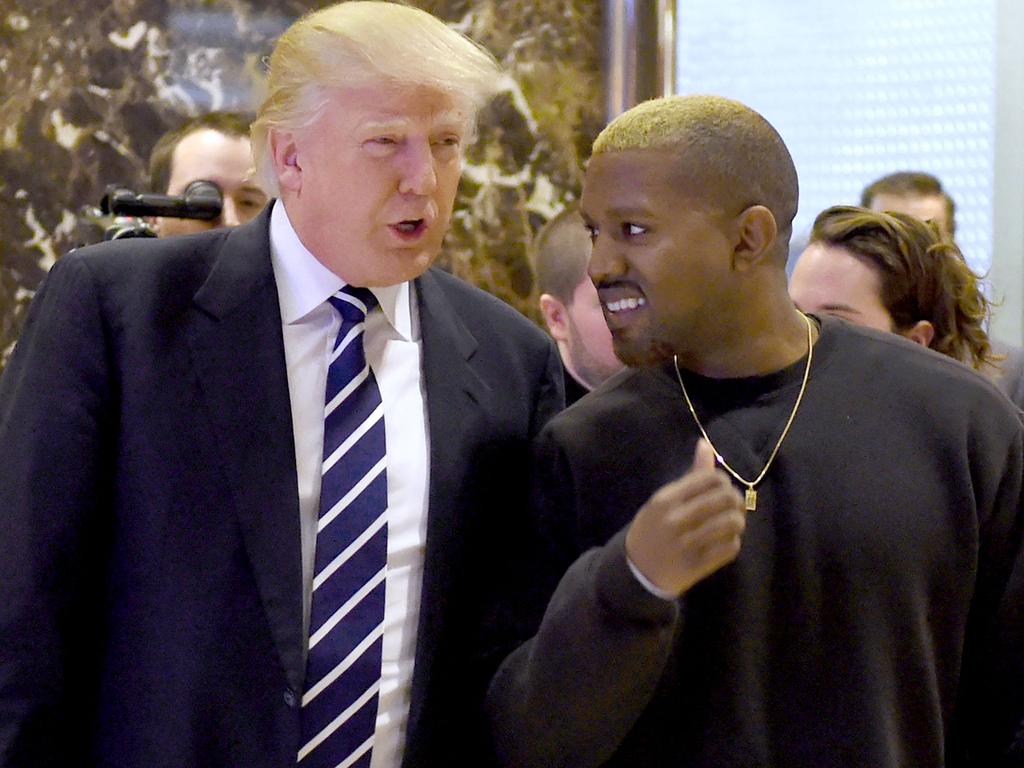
(136,260)
(1010,378)
(139,277)
(485,313)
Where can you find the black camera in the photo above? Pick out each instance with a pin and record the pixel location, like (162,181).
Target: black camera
(201,200)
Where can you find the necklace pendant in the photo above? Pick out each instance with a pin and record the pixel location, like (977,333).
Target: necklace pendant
(750,500)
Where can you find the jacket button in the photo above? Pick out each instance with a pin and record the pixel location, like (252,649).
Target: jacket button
(290,698)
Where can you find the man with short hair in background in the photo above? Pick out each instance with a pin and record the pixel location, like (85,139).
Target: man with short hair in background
(255,481)
(915,193)
(211,147)
(569,304)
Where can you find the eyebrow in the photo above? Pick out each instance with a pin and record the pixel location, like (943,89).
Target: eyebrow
(626,212)
(450,118)
(373,126)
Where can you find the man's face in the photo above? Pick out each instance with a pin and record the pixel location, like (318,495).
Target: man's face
(830,280)
(924,207)
(661,259)
(588,343)
(224,160)
(371,184)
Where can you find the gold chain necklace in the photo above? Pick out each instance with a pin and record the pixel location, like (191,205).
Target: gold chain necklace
(750,498)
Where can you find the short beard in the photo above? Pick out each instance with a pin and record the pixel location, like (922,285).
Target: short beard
(655,353)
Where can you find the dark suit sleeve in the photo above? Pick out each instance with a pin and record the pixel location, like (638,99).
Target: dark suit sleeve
(570,694)
(54,424)
(505,599)
(1011,377)
(550,392)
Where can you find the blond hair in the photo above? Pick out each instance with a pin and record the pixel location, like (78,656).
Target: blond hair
(354,44)
(735,153)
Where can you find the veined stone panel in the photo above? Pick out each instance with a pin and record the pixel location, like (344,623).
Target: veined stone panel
(87,88)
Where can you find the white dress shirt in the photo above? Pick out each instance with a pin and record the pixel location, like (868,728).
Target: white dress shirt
(393,351)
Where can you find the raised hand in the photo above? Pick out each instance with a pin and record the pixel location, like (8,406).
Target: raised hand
(689,528)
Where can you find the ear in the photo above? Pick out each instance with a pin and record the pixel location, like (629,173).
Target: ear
(922,332)
(757,232)
(284,153)
(555,317)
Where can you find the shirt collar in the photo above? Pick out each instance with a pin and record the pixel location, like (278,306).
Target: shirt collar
(304,284)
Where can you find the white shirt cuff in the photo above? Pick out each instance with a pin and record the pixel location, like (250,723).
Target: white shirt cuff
(647,584)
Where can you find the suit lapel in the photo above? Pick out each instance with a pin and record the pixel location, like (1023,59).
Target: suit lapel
(456,398)
(238,351)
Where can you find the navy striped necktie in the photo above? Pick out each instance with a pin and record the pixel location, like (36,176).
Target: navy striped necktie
(339,706)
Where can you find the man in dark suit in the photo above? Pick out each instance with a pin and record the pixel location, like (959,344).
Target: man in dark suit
(167,470)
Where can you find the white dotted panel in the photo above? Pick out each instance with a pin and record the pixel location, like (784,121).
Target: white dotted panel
(858,90)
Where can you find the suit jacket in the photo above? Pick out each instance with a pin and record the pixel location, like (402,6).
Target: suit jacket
(150,582)
(573,389)
(1011,372)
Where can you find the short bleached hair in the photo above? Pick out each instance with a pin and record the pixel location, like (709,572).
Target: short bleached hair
(719,141)
(360,43)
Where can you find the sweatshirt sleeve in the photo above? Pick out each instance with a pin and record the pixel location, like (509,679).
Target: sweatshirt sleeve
(569,695)
(989,717)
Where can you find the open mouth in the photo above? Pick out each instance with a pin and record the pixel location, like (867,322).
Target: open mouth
(409,228)
(621,299)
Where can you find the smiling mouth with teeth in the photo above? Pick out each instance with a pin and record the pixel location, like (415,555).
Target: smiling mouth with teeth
(623,305)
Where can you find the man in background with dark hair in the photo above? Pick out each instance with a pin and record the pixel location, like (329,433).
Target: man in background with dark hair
(916,193)
(569,304)
(211,147)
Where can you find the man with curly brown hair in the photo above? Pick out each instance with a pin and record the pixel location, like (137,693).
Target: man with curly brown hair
(894,272)
(922,195)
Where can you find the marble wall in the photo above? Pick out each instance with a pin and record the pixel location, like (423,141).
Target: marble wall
(88,87)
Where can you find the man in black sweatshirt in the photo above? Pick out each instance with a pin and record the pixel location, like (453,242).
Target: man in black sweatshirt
(779,540)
